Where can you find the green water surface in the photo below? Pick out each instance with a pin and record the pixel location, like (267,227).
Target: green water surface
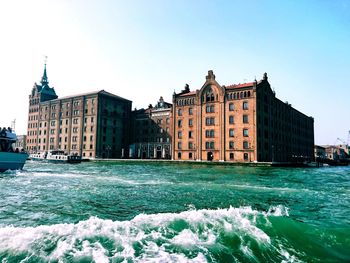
(161,212)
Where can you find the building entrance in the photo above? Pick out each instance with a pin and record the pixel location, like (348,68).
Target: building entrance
(210,156)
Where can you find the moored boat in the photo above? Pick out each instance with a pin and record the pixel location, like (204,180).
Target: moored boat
(10,159)
(57,156)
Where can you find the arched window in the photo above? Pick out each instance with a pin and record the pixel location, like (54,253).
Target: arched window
(212,98)
(241,95)
(248,93)
(207,97)
(245,94)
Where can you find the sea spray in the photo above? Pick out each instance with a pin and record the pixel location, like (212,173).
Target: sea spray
(195,235)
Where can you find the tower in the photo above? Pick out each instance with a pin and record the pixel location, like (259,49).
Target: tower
(40,93)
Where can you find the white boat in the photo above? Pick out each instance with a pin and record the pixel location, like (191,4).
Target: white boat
(58,156)
(10,159)
(38,156)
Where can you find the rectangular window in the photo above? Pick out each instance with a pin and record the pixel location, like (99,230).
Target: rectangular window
(207,133)
(231,133)
(52,131)
(53,123)
(245,157)
(190,134)
(231,119)
(179,112)
(210,121)
(179,134)
(231,145)
(231,107)
(245,118)
(190,145)
(190,111)
(245,133)
(179,145)
(231,156)
(245,105)
(179,123)
(190,122)
(209,145)
(210,108)
(245,145)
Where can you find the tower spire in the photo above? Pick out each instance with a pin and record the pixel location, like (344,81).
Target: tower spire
(44,80)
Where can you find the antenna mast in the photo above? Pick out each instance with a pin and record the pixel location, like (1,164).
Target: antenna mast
(13,125)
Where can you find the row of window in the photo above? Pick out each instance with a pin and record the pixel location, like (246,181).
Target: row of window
(190,156)
(211,133)
(190,123)
(190,111)
(211,108)
(210,145)
(184,102)
(238,95)
(66,105)
(75,113)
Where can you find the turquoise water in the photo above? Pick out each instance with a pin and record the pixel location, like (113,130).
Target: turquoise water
(160,212)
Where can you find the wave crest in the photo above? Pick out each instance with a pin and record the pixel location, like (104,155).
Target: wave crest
(190,236)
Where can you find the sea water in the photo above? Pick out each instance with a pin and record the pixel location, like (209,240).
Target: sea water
(161,212)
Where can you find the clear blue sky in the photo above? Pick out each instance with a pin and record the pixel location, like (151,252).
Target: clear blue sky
(141,50)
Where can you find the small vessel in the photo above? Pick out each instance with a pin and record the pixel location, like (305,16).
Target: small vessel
(57,156)
(10,159)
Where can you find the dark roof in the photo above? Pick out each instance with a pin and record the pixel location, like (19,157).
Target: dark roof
(102,92)
(243,85)
(188,94)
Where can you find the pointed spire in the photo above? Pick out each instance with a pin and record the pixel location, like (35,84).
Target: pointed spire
(44,80)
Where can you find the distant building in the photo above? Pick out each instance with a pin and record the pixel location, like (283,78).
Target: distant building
(336,152)
(239,123)
(320,152)
(93,125)
(152,132)
(21,142)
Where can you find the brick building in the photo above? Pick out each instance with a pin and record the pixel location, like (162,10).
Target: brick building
(152,132)
(239,123)
(93,125)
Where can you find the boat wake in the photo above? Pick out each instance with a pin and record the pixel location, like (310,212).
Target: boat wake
(222,235)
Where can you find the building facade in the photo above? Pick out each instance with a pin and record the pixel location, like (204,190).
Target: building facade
(21,142)
(93,125)
(239,123)
(152,132)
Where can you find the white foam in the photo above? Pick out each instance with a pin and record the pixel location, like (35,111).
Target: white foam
(151,232)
